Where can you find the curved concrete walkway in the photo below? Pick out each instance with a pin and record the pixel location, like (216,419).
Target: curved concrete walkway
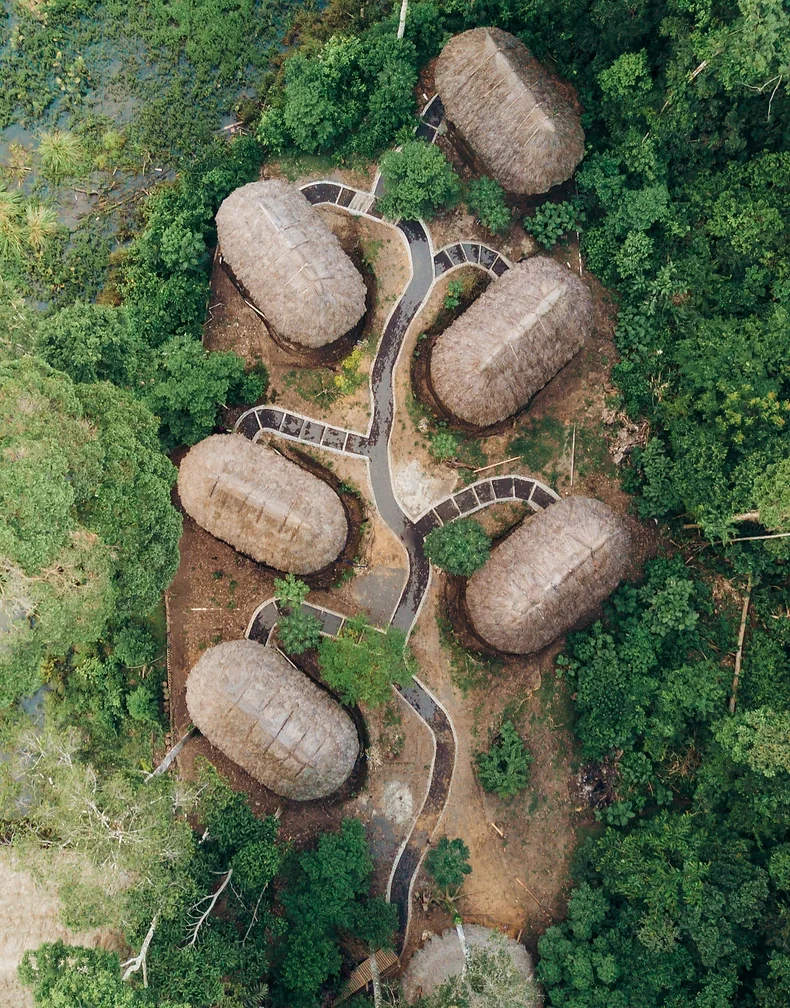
(427,265)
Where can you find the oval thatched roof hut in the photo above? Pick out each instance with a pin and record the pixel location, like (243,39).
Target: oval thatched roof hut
(271,719)
(546,576)
(516,336)
(510,109)
(262,504)
(289,262)
(442,957)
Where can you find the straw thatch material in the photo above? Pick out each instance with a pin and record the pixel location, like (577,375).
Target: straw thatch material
(513,339)
(550,573)
(271,719)
(442,958)
(289,262)
(510,109)
(262,504)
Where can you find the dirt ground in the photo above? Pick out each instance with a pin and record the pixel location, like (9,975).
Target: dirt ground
(29,916)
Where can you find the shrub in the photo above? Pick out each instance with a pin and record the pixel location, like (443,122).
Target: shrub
(298,632)
(504,769)
(452,298)
(460,547)
(418,182)
(444,446)
(486,198)
(362,664)
(553,220)
(448,863)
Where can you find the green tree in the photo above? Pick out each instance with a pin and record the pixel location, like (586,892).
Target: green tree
(553,220)
(504,768)
(486,198)
(92,342)
(67,976)
(326,899)
(87,528)
(190,383)
(444,446)
(448,863)
(362,664)
(459,547)
(418,182)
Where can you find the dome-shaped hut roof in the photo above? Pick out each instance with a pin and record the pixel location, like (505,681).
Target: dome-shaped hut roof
(271,719)
(516,336)
(546,576)
(510,109)
(262,504)
(442,958)
(289,262)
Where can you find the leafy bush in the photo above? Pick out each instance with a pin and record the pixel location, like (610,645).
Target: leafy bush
(459,547)
(444,446)
(448,863)
(452,298)
(486,198)
(553,220)
(504,769)
(418,182)
(298,632)
(361,663)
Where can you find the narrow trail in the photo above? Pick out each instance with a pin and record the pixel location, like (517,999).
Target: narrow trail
(427,265)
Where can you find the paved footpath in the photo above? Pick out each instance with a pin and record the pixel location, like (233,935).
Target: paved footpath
(427,265)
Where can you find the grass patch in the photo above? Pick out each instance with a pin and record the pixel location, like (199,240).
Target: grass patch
(539,442)
(468,672)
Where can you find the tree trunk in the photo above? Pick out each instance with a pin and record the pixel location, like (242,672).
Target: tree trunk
(459,927)
(169,757)
(376,978)
(404,8)
(739,656)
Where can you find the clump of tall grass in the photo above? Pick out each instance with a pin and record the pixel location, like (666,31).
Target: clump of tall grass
(11,227)
(61,155)
(40,224)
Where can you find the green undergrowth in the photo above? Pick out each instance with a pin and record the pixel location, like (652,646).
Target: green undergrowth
(469,671)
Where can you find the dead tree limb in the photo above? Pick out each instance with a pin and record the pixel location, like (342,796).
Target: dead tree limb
(739,654)
(212,902)
(254,914)
(138,962)
(167,761)
(375,977)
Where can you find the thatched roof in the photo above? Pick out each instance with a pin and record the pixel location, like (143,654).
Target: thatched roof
(514,338)
(442,958)
(271,719)
(549,574)
(510,109)
(289,262)
(262,504)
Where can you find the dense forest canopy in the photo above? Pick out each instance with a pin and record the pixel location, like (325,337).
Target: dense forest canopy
(683,198)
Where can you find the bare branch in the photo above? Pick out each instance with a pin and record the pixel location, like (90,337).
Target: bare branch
(254,915)
(139,962)
(212,902)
